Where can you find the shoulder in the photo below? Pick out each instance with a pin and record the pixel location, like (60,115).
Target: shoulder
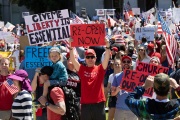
(56,91)
(118,75)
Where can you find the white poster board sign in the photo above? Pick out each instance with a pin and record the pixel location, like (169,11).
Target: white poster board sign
(48,26)
(25,14)
(1,24)
(169,17)
(136,11)
(110,12)
(147,32)
(176,15)
(9,26)
(100,12)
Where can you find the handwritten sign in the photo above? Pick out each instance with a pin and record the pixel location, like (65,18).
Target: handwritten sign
(151,69)
(48,26)
(36,57)
(88,35)
(100,12)
(136,11)
(131,79)
(147,32)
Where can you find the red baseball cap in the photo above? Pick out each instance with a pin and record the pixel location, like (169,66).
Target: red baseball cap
(90,51)
(115,49)
(126,57)
(150,46)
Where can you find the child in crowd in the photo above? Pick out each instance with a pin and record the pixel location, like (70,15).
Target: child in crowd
(59,75)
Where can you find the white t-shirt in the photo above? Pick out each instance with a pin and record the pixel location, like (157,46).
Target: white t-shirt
(111,78)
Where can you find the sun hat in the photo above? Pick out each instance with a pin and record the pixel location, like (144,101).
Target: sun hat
(22,75)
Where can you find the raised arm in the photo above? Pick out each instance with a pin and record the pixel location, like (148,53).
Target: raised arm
(107,55)
(73,59)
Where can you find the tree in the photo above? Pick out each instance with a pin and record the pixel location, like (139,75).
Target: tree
(40,6)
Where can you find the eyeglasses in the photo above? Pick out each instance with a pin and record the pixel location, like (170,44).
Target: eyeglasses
(127,61)
(88,57)
(116,64)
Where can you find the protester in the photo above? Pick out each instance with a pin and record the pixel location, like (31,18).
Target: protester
(54,111)
(73,78)
(122,111)
(37,88)
(22,104)
(59,75)
(142,54)
(92,76)
(6,98)
(160,108)
(112,99)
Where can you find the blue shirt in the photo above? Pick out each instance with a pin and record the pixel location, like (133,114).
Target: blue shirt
(59,72)
(120,103)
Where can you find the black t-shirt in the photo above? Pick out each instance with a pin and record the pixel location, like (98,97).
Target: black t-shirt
(74,82)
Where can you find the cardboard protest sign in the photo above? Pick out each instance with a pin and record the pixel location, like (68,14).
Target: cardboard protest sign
(147,32)
(37,57)
(88,35)
(176,16)
(136,11)
(151,69)
(23,41)
(132,79)
(100,12)
(110,12)
(48,26)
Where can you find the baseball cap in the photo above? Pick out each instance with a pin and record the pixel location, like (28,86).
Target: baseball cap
(126,57)
(47,70)
(161,83)
(115,49)
(55,49)
(90,51)
(150,46)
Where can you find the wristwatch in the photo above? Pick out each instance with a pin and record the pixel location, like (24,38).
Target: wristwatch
(47,104)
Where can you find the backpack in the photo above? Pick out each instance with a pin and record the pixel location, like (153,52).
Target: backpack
(72,103)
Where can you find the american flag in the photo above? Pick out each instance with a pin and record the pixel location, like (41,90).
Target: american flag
(159,28)
(76,19)
(10,86)
(171,43)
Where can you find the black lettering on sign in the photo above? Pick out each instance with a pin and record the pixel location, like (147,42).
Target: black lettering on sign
(34,52)
(126,75)
(34,18)
(88,40)
(128,85)
(149,91)
(142,78)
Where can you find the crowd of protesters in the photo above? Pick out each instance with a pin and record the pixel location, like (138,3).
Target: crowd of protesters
(95,74)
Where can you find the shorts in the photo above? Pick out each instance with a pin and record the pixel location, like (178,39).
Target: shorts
(112,101)
(5,115)
(93,111)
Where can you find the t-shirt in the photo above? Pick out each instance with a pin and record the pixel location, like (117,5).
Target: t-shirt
(22,106)
(92,88)
(120,103)
(57,96)
(74,82)
(6,99)
(111,78)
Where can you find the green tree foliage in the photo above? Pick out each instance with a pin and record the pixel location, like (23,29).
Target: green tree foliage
(40,6)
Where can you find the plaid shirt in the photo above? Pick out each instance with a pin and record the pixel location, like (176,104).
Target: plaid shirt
(140,107)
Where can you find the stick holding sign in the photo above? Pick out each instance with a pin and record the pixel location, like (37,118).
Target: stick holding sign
(88,34)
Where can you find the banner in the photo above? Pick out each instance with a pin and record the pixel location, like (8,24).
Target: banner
(110,12)
(48,26)
(25,14)
(147,32)
(37,57)
(136,11)
(88,34)
(132,79)
(100,12)
(151,69)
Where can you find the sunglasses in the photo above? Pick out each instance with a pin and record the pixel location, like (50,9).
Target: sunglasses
(88,57)
(127,61)
(141,49)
